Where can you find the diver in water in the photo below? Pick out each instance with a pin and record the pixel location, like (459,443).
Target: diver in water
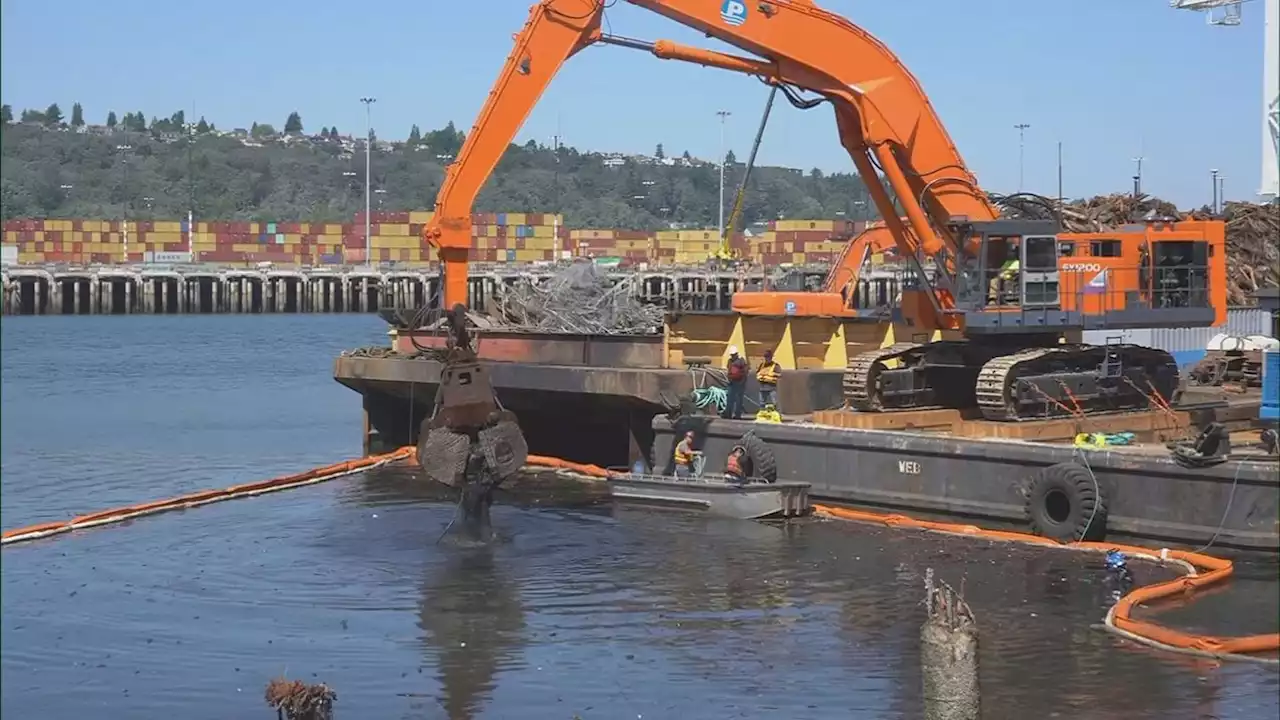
(1119,578)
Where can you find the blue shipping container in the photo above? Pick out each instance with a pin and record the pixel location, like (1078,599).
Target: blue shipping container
(333,259)
(511,256)
(271,228)
(502,218)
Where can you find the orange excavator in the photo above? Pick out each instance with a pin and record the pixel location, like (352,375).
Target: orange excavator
(1002,292)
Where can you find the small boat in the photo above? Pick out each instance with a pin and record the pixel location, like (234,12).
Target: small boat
(747,501)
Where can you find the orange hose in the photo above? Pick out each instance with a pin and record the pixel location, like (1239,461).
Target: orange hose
(1217,570)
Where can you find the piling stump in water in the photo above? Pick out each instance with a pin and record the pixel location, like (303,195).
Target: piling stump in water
(949,655)
(295,700)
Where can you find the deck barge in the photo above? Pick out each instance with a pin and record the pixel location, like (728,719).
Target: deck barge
(606,400)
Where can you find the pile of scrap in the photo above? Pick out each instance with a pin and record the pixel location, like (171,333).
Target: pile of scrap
(1253,250)
(1253,254)
(580,299)
(295,700)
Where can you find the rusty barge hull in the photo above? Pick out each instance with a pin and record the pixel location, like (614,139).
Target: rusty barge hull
(604,400)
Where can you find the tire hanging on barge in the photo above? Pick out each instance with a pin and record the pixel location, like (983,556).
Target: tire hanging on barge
(1031,384)
(1066,503)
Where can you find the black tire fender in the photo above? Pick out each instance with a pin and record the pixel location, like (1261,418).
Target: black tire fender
(760,463)
(1066,503)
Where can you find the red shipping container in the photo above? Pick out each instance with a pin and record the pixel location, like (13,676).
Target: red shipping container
(415,228)
(502,231)
(135,257)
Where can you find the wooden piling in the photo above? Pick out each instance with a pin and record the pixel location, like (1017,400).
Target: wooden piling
(949,655)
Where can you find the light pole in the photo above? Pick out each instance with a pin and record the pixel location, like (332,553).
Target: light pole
(1022,144)
(124,230)
(723,114)
(1214,180)
(1137,179)
(368,150)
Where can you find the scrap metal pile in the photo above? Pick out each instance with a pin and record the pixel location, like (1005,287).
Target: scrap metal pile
(580,299)
(1253,251)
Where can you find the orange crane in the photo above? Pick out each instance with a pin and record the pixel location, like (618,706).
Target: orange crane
(1006,354)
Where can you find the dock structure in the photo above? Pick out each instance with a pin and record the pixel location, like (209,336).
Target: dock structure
(202,289)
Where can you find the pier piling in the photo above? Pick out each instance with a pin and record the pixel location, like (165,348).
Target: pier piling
(161,289)
(949,655)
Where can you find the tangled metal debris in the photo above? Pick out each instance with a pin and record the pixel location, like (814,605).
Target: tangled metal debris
(1253,231)
(295,700)
(580,299)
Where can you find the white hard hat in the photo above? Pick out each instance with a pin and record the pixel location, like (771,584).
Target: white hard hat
(733,349)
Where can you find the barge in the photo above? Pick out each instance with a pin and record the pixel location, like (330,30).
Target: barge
(617,401)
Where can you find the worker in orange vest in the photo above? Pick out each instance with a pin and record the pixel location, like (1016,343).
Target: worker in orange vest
(733,466)
(767,375)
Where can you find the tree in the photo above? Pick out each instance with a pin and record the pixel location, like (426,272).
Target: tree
(658,153)
(77,115)
(202,127)
(415,136)
(686,156)
(293,124)
(178,120)
(52,115)
(730,158)
(111,119)
(228,180)
(333,133)
(139,122)
(6,114)
(262,130)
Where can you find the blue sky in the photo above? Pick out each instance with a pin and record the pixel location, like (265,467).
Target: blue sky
(1110,79)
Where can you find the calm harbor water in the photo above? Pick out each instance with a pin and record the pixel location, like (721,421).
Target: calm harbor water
(582,610)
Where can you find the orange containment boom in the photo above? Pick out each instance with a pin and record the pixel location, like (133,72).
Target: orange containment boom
(884,118)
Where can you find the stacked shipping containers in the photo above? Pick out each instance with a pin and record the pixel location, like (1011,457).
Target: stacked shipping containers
(397,237)
(804,241)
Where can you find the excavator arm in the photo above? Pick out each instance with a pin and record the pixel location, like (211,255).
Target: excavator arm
(884,119)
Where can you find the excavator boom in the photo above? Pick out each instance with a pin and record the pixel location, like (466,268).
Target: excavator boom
(884,119)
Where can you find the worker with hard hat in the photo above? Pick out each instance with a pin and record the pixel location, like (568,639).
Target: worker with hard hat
(737,375)
(684,455)
(767,376)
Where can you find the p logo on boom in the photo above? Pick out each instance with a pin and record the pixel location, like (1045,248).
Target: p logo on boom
(733,12)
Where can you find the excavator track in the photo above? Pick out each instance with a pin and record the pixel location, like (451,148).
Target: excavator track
(995,380)
(860,390)
(1065,380)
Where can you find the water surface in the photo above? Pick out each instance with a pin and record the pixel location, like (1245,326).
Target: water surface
(581,609)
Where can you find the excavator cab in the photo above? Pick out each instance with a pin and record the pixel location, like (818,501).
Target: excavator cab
(1015,266)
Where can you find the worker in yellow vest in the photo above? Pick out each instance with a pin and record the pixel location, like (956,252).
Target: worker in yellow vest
(684,455)
(1005,280)
(767,375)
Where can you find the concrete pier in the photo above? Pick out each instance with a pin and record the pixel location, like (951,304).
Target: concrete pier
(117,290)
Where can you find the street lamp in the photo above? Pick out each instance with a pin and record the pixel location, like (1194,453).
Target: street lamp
(1214,175)
(723,114)
(1022,138)
(368,149)
(124,229)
